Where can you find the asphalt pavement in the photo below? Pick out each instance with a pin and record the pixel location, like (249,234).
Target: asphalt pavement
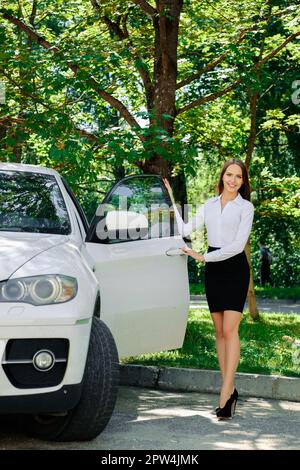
(175,412)
(147,419)
(263,305)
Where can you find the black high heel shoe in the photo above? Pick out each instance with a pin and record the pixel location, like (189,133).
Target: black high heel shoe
(235,395)
(229,409)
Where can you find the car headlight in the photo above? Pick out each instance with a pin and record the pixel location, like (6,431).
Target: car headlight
(39,290)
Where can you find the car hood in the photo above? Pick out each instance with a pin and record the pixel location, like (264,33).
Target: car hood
(17,249)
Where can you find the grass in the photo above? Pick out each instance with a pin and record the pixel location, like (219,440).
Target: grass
(263,349)
(261,292)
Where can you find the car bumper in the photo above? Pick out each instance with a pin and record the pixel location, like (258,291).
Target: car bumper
(78,337)
(51,402)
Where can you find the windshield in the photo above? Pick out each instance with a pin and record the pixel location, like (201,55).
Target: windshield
(32,202)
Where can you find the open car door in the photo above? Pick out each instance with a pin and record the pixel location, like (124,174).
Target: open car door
(142,273)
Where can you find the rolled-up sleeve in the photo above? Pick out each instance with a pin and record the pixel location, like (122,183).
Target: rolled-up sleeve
(239,243)
(195,223)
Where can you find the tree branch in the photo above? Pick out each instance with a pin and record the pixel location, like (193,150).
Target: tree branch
(13,120)
(115,28)
(114,102)
(253,128)
(6,120)
(122,35)
(31,34)
(280,13)
(276,50)
(145,7)
(208,67)
(205,69)
(216,62)
(213,96)
(33,12)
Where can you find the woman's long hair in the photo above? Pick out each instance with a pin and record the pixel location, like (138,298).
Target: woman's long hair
(245,188)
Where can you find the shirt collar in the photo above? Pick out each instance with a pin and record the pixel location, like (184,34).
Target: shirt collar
(237,200)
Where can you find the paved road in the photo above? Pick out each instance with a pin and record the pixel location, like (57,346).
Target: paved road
(150,419)
(264,305)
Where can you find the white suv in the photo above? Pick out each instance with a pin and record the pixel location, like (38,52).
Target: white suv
(74,297)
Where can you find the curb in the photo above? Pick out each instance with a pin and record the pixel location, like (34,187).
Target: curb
(258,299)
(208,381)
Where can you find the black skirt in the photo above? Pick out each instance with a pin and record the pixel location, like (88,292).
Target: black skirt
(227,282)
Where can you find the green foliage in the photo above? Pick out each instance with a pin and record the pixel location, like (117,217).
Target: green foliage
(277,222)
(53,101)
(263,348)
(55,115)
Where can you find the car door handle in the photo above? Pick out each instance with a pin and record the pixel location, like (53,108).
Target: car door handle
(174,252)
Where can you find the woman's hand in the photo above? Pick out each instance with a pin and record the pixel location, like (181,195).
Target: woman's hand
(197,256)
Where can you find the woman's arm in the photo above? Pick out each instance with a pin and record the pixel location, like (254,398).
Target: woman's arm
(238,245)
(197,256)
(196,222)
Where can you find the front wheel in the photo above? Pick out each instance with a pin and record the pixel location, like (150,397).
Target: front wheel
(99,393)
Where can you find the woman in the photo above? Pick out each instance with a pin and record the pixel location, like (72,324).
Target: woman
(228,219)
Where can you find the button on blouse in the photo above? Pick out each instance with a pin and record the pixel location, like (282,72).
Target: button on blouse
(228,228)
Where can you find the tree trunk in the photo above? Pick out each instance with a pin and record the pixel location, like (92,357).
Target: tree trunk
(118,171)
(3,130)
(253,127)
(251,294)
(251,142)
(157,165)
(180,191)
(254,95)
(162,104)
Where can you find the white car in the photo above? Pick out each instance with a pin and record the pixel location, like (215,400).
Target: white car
(74,298)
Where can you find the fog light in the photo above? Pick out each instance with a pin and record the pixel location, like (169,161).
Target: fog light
(43,360)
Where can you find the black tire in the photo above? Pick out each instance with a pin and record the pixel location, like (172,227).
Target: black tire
(99,393)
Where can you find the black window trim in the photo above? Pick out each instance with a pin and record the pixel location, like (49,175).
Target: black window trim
(76,204)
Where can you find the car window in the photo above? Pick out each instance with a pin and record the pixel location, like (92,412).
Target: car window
(144,195)
(32,202)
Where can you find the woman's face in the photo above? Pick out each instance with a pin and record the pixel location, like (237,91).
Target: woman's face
(233,178)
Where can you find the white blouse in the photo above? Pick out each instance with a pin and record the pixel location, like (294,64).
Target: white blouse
(228,228)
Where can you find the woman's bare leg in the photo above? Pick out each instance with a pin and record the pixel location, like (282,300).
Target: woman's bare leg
(231,323)
(217,318)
